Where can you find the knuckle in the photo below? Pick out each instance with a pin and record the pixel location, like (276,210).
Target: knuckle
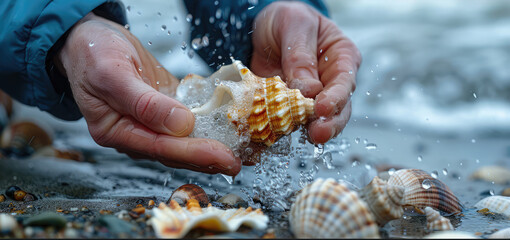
(146,107)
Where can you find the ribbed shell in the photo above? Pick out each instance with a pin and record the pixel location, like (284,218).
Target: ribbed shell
(189,191)
(384,200)
(436,222)
(438,196)
(501,234)
(497,204)
(173,221)
(266,105)
(328,209)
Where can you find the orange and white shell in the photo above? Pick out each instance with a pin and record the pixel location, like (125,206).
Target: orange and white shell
(328,209)
(384,200)
(422,190)
(266,106)
(436,222)
(173,221)
(497,204)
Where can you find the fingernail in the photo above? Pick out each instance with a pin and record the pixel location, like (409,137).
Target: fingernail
(303,74)
(178,121)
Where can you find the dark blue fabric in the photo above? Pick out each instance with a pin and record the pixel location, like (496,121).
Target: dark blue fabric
(28,29)
(228,26)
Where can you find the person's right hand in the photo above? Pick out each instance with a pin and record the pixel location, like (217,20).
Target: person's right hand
(114,81)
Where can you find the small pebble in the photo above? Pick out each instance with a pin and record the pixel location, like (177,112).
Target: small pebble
(7,223)
(138,210)
(46,219)
(105,212)
(506,192)
(116,225)
(2,198)
(11,190)
(152,203)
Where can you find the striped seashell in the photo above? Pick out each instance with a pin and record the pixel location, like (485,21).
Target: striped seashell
(497,204)
(422,190)
(189,191)
(451,235)
(384,200)
(173,221)
(328,209)
(265,108)
(436,222)
(496,174)
(501,234)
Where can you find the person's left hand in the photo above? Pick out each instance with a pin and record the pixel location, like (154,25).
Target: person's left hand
(293,40)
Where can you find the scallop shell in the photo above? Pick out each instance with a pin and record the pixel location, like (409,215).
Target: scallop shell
(437,222)
(25,136)
(438,195)
(451,235)
(384,200)
(172,221)
(502,234)
(497,204)
(189,191)
(266,105)
(328,209)
(496,174)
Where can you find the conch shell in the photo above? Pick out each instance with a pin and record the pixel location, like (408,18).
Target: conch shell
(384,200)
(263,107)
(172,221)
(328,209)
(422,190)
(436,222)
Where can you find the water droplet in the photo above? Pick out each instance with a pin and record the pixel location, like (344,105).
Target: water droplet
(391,171)
(139,13)
(216,3)
(191,53)
(149,43)
(128,8)
(434,174)
(146,25)
(197,21)
(229,179)
(365,141)
(289,48)
(189,17)
(163,27)
(218,13)
(91,43)
(368,93)
(473,140)
(140,69)
(219,42)
(157,82)
(196,43)
(371,146)
(491,192)
(477,161)
(474,95)
(216,81)
(320,51)
(350,72)
(445,171)
(326,58)
(426,184)
(126,26)
(159,14)
(175,18)
(420,158)
(327,159)
(357,140)
(168,32)
(205,41)
(393,78)
(184,45)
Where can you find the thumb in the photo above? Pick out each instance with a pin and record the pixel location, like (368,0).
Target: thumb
(299,55)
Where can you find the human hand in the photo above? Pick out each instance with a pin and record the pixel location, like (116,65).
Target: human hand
(293,40)
(114,81)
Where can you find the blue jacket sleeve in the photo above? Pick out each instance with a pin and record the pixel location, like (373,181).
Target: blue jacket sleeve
(224,28)
(28,31)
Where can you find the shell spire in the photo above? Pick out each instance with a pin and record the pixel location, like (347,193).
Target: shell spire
(384,200)
(266,105)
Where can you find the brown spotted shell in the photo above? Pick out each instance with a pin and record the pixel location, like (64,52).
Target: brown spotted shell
(436,222)
(182,194)
(384,200)
(24,134)
(438,195)
(263,107)
(328,209)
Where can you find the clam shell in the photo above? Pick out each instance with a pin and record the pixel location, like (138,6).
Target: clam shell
(173,221)
(438,195)
(266,106)
(451,235)
(384,200)
(328,209)
(437,222)
(497,204)
(189,191)
(502,234)
(496,174)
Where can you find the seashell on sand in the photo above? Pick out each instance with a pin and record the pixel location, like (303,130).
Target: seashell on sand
(265,108)
(233,200)
(436,222)
(25,137)
(422,190)
(189,191)
(451,235)
(172,221)
(496,174)
(384,200)
(497,204)
(328,209)
(501,234)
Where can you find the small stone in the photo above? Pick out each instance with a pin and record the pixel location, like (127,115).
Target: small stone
(116,225)
(74,209)
(105,212)
(71,233)
(138,210)
(485,211)
(46,219)
(11,190)
(505,192)
(2,198)
(7,223)
(232,200)
(151,204)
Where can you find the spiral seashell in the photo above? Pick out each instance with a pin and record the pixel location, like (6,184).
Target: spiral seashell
(328,209)
(384,200)
(496,174)
(422,190)
(23,138)
(266,105)
(497,204)
(501,234)
(437,222)
(173,221)
(182,194)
